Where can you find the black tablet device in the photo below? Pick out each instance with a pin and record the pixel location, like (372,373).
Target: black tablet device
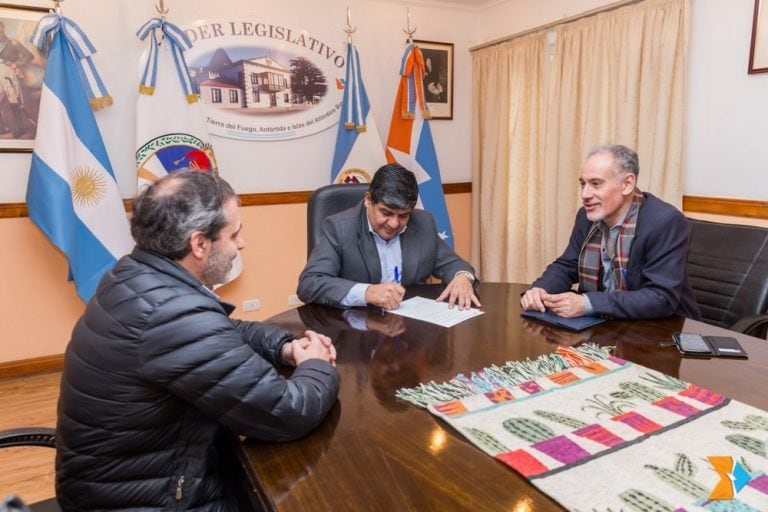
(576,324)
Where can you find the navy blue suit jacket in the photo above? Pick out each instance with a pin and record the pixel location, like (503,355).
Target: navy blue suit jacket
(657,272)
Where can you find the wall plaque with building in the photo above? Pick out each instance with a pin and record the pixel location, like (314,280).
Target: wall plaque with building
(261,81)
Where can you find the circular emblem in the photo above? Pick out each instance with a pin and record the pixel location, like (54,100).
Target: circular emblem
(169,153)
(88,186)
(353,175)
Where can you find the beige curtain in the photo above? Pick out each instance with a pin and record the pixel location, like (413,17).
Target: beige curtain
(508,129)
(617,77)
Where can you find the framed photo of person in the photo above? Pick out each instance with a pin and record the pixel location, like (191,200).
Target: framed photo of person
(758,49)
(438,77)
(21,76)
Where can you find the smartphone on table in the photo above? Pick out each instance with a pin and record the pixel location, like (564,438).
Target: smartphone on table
(692,344)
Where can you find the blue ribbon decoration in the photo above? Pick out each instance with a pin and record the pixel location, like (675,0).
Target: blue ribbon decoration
(355,119)
(82,49)
(179,44)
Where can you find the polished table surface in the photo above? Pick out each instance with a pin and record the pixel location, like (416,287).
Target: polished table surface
(376,452)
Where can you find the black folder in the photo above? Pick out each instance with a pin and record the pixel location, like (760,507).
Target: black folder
(576,324)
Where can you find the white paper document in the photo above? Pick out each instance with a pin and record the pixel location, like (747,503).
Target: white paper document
(434,312)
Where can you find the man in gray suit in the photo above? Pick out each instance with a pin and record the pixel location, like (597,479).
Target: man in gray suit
(367,253)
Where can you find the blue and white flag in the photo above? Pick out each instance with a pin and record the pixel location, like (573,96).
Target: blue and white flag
(358,153)
(72,194)
(410,140)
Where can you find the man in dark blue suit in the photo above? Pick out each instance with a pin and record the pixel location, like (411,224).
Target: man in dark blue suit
(628,250)
(366,254)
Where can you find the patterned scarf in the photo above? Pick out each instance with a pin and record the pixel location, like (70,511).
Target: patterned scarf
(590,261)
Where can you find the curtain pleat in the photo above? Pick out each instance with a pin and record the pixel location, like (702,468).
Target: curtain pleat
(616,77)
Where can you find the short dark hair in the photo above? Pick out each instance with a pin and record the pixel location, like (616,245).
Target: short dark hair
(625,158)
(394,186)
(167,212)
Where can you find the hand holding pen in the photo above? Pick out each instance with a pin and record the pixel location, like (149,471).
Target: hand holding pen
(386,295)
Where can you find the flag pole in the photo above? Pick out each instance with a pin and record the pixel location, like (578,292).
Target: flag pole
(349,30)
(410,29)
(57,6)
(161,9)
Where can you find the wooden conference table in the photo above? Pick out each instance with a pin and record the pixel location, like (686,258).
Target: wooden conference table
(375,452)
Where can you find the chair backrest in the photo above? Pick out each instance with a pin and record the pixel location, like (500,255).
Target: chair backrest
(32,436)
(326,201)
(728,270)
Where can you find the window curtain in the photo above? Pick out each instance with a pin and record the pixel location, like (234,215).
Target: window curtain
(507,136)
(615,77)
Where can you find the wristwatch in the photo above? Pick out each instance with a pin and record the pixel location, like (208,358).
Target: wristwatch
(466,274)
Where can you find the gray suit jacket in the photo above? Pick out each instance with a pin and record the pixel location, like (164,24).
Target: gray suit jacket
(346,255)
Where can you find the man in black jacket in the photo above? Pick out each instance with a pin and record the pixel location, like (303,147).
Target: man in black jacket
(157,374)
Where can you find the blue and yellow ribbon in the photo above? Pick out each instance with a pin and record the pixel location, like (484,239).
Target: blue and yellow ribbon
(354,93)
(179,42)
(82,50)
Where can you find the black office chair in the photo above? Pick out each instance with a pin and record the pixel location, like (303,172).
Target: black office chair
(32,437)
(728,270)
(326,201)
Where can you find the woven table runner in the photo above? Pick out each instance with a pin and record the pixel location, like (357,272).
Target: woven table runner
(597,433)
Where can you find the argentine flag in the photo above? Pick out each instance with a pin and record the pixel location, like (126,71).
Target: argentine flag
(71,194)
(358,153)
(410,141)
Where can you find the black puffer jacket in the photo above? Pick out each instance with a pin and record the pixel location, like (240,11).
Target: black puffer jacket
(154,372)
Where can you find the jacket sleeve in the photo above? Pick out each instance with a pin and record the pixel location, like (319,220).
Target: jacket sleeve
(192,349)
(562,273)
(657,277)
(319,282)
(266,340)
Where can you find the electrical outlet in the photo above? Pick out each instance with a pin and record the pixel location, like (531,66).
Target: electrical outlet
(293,300)
(251,305)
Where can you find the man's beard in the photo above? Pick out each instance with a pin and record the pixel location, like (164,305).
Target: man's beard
(219,265)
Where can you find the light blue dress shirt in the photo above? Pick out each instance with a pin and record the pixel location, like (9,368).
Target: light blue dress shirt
(390,256)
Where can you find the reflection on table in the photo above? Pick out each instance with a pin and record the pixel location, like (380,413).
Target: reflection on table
(375,452)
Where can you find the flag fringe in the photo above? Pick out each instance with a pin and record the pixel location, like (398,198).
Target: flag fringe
(349,126)
(101,102)
(510,374)
(192,98)
(408,115)
(146,90)
(362,129)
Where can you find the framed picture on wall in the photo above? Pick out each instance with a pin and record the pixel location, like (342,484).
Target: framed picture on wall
(758,49)
(438,77)
(21,76)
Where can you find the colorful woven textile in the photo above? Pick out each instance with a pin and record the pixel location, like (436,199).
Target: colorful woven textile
(600,433)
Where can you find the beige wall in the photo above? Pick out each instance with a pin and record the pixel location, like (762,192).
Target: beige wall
(38,307)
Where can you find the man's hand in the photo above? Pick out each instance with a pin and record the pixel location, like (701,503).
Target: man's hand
(533,300)
(567,305)
(459,291)
(384,295)
(312,346)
